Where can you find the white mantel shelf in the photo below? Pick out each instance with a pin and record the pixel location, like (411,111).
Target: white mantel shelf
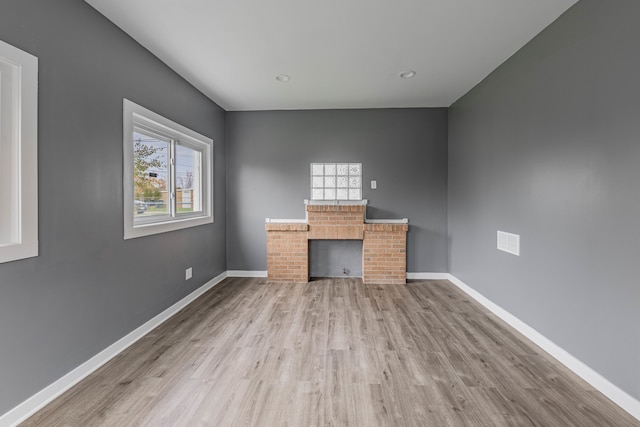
(337,202)
(363,202)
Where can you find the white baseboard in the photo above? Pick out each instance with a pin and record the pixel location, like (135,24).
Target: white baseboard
(246,273)
(46,395)
(600,383)
(258,273)
(428,276)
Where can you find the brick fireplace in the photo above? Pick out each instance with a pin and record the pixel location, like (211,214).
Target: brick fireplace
(383,242)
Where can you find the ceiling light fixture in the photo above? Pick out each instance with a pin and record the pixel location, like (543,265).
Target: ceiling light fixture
(283,78)
(407,74)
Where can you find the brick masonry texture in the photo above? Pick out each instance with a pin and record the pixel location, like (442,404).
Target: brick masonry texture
(384,253)
(286,227)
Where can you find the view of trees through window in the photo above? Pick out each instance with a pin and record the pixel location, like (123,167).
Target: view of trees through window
(167,174)
(157,178)
(150,162)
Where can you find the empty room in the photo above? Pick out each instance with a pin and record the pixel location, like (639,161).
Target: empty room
(337,213)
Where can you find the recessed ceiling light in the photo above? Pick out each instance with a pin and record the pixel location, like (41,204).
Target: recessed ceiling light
(283,78)
(407,74)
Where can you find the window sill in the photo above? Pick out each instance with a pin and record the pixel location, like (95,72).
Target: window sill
(17,251)
(132,232)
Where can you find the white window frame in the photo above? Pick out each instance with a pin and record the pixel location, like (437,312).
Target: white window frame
(135,116)
(18,154)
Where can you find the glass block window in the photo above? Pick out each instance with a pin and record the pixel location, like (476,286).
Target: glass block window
(336,181)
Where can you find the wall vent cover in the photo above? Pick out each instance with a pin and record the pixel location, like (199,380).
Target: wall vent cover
(509,242)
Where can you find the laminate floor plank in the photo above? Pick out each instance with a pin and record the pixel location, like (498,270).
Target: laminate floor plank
(332,352)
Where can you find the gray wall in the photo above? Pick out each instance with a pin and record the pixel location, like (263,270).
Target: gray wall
(405,150)
(547,147)
(89,287)
(335,258)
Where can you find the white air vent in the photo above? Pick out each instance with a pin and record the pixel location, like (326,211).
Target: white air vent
(509,242)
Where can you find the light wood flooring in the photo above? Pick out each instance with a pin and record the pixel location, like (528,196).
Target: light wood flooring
(332,352)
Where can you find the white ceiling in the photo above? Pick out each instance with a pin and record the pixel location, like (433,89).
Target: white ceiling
(339,53)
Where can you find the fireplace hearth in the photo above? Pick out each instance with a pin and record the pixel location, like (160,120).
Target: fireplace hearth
(383,242)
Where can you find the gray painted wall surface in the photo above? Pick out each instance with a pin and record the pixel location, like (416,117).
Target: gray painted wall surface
(548,147)
(405,150)
(89,287)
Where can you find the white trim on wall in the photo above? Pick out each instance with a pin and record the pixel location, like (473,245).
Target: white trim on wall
(40,399)
(428,276)
(36,402)
(136,117)
(410,276)
(246,273)
(19,159)
(600,383)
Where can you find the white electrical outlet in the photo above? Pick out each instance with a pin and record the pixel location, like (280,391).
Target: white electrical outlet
(374,184)
(509,242)
(188,273)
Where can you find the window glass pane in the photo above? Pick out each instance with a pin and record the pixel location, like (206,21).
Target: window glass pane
(188,185)
(167,174)
(318,182)
(330,182)
(317,194)
(337,181)
(150,180)
(9,160)
(330,194)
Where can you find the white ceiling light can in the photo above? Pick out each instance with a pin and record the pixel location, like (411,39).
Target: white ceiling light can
(283,78)
(407,74)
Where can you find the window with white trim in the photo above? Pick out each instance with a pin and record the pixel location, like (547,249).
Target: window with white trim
(336,181)
(168,174)
(18,154)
